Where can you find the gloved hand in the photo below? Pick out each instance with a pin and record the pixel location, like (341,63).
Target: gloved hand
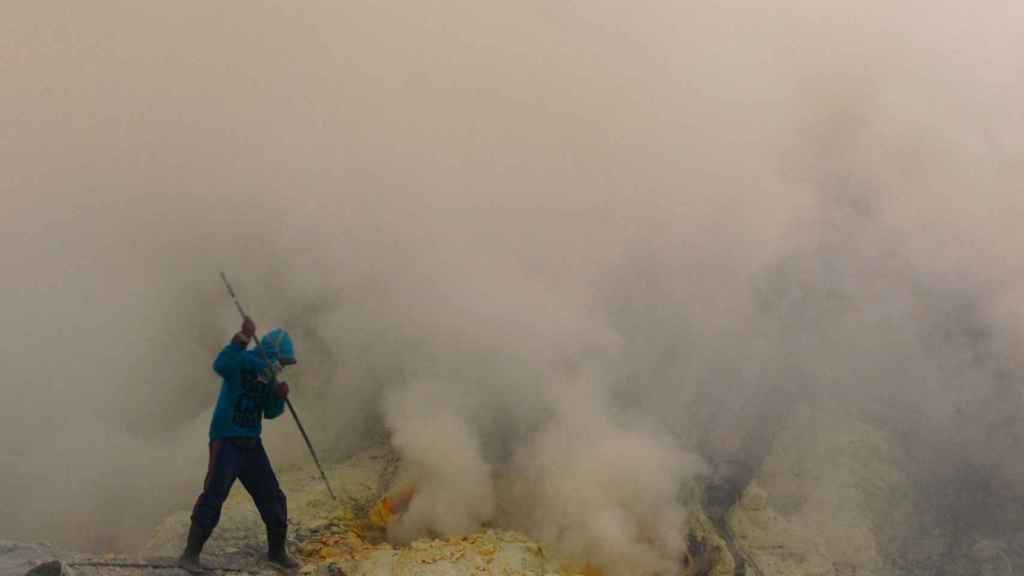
(245,335)
(248,327)
(281,389)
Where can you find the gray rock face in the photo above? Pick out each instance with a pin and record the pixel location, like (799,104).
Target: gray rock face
(815,506)
(16,558)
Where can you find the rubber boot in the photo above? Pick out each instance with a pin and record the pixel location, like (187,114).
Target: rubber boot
(189,559)
(277,552)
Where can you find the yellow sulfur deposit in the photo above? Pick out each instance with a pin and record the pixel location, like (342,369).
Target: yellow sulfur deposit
(491,553)
(587,569)
(388,508)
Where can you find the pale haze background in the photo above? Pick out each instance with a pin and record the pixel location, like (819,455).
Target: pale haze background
(564,252)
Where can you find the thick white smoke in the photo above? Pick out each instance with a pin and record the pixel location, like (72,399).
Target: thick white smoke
(455,489)
(601,489)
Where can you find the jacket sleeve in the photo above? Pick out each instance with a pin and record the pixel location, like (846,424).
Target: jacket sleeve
(273,405)
(229,361)
(234,358)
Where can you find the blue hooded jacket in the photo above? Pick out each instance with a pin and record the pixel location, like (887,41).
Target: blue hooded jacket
(247,392)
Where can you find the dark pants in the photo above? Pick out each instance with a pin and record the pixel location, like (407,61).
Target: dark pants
(245,459)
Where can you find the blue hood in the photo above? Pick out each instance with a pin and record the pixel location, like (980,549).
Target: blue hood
(278,345)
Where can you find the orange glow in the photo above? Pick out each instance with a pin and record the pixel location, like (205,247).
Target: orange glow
(388,508)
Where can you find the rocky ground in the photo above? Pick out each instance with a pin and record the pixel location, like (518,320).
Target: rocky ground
(819,505)
(338,537)
(334,538)
(347,536)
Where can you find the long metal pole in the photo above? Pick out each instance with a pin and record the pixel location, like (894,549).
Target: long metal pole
(273,378)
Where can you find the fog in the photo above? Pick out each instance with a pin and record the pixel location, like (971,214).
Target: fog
(568,257)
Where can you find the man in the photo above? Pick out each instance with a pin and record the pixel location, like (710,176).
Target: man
(249,392)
